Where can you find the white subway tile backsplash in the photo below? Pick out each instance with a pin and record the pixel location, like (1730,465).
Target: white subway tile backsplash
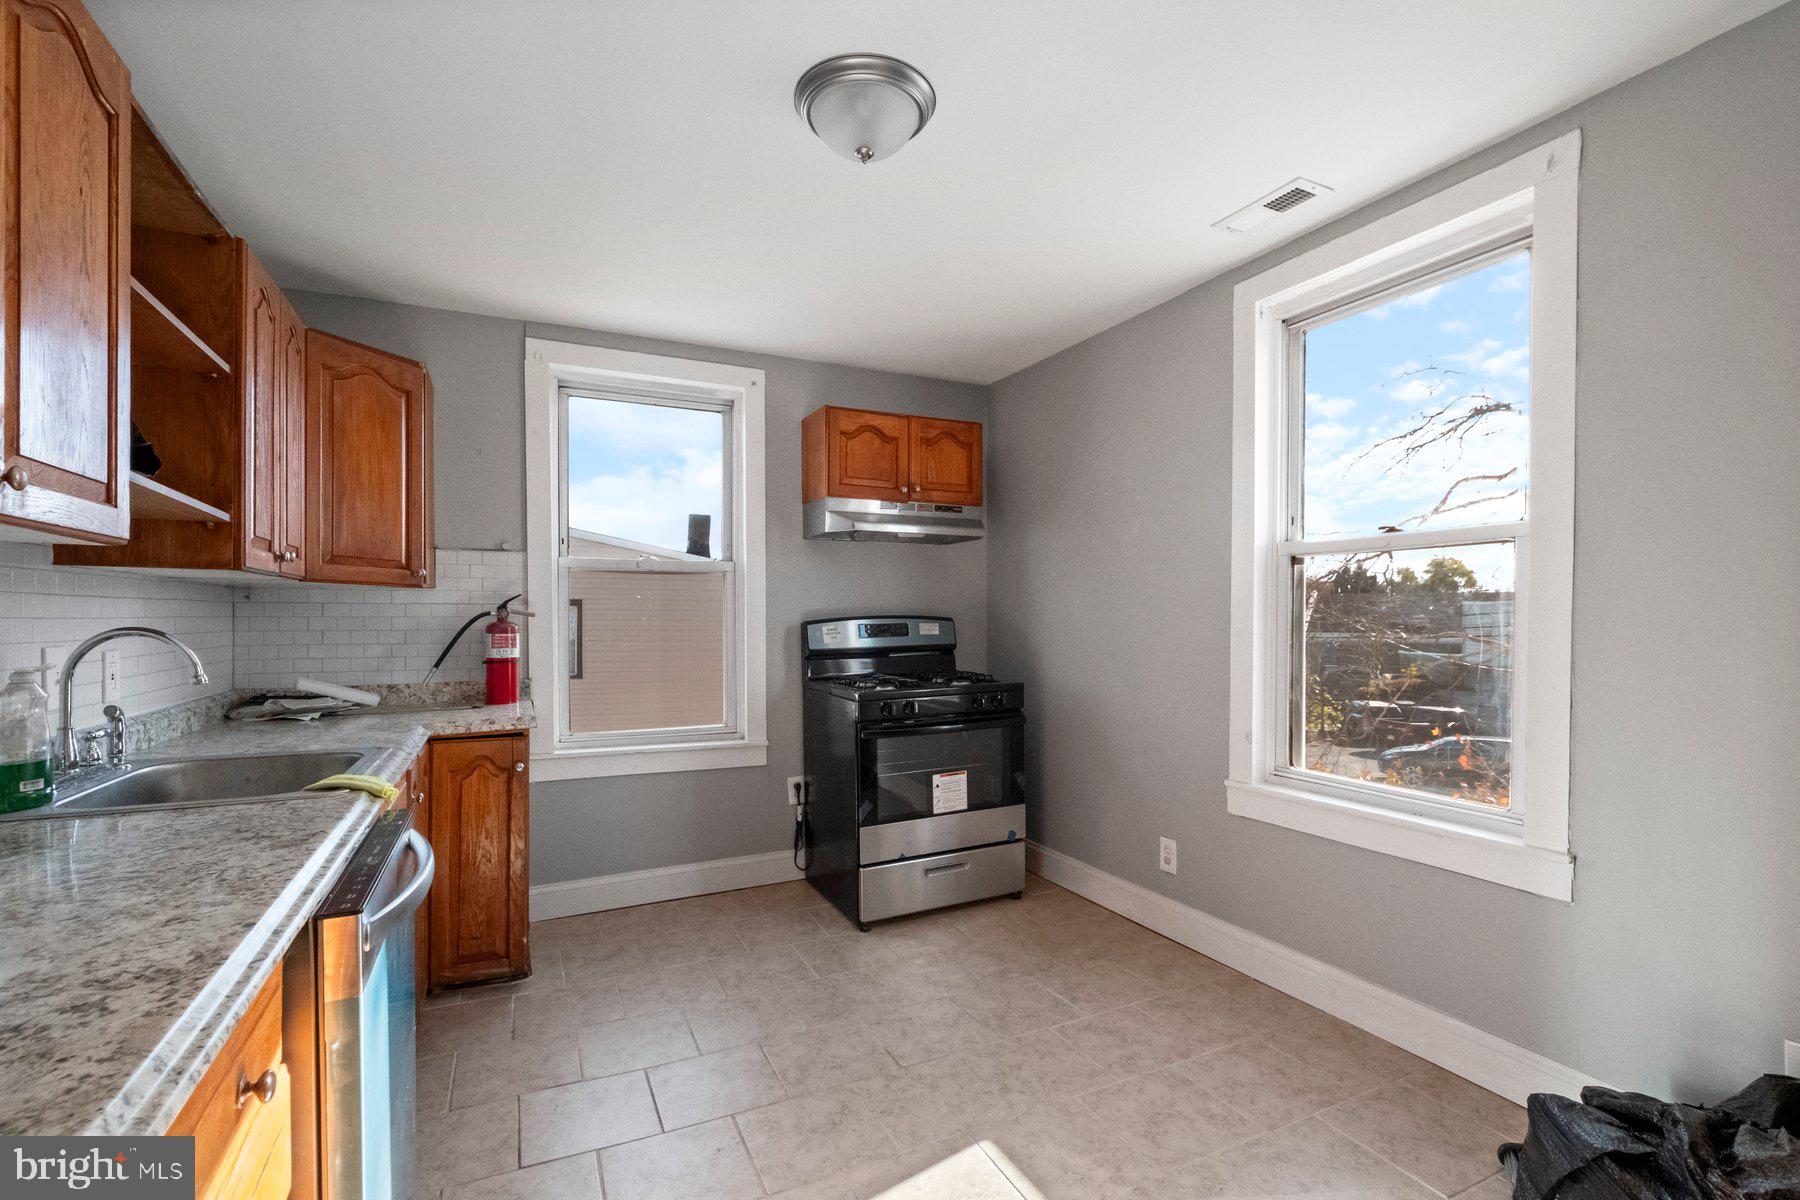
(372,635)
(56,607)
(247,636)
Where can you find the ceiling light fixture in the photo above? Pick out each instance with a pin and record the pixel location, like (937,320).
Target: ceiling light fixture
(864,106)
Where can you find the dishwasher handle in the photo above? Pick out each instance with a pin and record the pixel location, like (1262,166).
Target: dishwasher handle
(377,925)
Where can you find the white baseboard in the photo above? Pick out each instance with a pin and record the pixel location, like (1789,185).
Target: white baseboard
(623,890)
(1493,1062)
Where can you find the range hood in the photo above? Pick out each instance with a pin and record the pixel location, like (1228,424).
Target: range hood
(838,519)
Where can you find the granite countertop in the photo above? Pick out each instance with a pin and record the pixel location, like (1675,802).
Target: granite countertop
(131,943)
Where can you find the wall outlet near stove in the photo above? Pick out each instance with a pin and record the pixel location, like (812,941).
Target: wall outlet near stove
(796,790)
(1791,1052)
(1167,860)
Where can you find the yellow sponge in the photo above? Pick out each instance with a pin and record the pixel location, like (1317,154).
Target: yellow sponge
(381,789)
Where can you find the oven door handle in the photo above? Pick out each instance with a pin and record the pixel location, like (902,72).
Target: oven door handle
(932,725)
(377,925)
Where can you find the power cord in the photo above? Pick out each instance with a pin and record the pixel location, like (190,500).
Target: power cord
(802,835)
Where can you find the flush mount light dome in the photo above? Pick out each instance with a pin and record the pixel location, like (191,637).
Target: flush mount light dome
(864,106)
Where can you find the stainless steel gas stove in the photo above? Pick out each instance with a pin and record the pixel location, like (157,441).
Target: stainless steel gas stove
(915,772)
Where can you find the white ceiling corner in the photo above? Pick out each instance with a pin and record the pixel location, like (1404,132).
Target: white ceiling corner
(638,167)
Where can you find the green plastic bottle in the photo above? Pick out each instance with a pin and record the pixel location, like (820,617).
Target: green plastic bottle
(25,778)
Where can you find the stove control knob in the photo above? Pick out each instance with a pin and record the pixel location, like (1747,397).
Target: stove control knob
(887,708)
(909,709)
(979,702)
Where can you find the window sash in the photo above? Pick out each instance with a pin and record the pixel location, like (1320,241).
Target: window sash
(669,396)
(1288,743)
(728,729)
(1286,632)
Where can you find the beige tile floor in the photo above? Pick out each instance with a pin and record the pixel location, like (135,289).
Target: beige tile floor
(753,1044)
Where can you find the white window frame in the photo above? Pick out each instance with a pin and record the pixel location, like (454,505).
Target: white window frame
(1532,196)
(552,370)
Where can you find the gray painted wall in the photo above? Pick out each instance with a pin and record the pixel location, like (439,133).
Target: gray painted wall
(583,828)
(1675,969)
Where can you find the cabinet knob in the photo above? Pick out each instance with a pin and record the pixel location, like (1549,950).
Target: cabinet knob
(420,573)
(904,489)
(16,477)
(518,766)
(262,1087)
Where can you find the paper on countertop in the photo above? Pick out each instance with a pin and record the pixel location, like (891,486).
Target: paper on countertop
(336,691)
(288,708)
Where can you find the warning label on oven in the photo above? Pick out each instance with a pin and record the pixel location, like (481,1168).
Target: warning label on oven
(949,792)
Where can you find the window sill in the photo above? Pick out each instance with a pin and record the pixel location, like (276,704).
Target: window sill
(646,760)
(1481,854)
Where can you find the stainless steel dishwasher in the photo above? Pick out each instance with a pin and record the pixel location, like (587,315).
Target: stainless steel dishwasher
(357,1010)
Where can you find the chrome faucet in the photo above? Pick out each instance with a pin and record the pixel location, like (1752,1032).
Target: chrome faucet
(69,756)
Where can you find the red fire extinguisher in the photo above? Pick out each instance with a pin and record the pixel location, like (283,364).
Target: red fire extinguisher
(503,657)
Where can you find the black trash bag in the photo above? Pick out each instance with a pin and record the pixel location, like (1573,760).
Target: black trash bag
(1772,1102)
(1627,1146)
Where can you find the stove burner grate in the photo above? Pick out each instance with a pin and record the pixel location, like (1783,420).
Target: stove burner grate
(876,682)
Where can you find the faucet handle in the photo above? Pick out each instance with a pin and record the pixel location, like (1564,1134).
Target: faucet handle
(90,747)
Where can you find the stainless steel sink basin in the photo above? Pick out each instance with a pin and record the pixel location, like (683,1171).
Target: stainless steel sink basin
(183,782)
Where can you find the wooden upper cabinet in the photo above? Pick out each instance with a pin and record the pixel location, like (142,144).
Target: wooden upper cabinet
(479,816)
(292,391)
(65,219)
(946,460)
(274,443)
(368,452)
(261,519)
(859,455)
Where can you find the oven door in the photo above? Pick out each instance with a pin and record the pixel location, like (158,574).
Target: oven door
(927,788)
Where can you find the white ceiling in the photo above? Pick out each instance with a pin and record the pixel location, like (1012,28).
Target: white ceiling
(638,167)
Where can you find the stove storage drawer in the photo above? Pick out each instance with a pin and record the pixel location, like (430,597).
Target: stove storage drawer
(933,835)
(917,884)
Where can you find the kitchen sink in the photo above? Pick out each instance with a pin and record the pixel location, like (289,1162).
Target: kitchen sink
(183,782)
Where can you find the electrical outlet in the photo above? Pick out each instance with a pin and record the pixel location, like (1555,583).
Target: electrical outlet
(796,790)
(1167,861)
(112,678)
(1792,1057)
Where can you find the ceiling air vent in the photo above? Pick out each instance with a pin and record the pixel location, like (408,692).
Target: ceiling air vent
(1286,198)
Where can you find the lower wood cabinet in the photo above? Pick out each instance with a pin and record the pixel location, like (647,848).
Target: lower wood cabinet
(477,804)
(241,1114)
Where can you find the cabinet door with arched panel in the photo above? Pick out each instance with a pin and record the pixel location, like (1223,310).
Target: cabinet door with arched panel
(65,295)
(368,465)
(946,460)
(856,454)
(479,809)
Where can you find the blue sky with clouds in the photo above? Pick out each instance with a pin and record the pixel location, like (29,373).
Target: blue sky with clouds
(637,470)
(1451,346)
